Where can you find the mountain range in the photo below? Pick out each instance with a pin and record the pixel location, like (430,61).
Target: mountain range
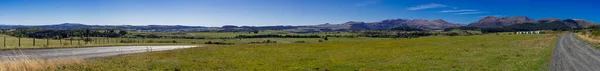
(491,22)
(439,24)
(391,23)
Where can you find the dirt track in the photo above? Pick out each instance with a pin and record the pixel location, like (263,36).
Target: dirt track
(572,54)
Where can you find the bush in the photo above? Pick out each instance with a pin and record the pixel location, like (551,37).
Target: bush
(300,42)
(150,41)
(128,41)
(595,32)
(278,36)
(266,41)
(218,43)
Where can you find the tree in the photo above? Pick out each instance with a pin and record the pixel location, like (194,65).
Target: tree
(122,32)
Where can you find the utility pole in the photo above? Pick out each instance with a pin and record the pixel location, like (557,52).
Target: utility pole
(33,41)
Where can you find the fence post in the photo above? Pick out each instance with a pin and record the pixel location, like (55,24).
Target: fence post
(47,42)
(19,41)
(5,41)
(60,42)
(33,41)
(71,41)
(78,41)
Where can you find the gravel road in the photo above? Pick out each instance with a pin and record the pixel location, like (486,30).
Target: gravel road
(87,52)
(572,54)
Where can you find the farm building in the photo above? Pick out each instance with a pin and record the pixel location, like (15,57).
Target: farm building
(528,32)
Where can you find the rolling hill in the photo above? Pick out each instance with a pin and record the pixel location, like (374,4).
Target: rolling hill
(439,24)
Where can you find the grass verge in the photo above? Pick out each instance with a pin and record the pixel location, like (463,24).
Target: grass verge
(589,39)
(36,64)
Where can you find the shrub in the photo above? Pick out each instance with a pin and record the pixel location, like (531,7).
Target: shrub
(218,43)
(300,42)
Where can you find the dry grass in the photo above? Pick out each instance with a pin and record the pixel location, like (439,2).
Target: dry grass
(36,64)
(589,38)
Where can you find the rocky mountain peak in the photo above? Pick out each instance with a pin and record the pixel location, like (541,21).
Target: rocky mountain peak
(547,20)
(492,21)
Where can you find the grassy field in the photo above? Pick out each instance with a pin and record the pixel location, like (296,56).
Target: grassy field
(28,43)
(234,34)
(481,53)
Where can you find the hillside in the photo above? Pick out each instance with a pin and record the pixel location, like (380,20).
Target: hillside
(439,24)
(496,22)
(389,24)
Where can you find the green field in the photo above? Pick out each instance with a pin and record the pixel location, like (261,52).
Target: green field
(480,53)
(234,34)
(28,43)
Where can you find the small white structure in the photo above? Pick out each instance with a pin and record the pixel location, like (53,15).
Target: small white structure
(528,32)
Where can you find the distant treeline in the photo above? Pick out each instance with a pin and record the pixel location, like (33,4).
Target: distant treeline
(157,36)
(386,34)
(277,36)
(51,33)
(519,27)
(292,36)
(414,34)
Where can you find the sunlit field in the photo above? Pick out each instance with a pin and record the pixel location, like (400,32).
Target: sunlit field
(480,53)
(28,43)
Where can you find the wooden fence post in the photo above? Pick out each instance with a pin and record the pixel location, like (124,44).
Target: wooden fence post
(47,42)
(4,41)
(60,42)
(19,41)
(78,41)
(71,41)
(33,41)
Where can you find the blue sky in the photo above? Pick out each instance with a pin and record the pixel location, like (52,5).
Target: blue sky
(280,12)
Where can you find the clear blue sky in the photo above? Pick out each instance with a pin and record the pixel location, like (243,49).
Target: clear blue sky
(280,12)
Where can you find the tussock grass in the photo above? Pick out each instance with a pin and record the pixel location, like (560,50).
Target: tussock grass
(588,37)
(36,64)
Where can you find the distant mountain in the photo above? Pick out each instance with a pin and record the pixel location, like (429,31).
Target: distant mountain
(514,23)
(389,24)
(83,26)
(577,23)
(492,21)
(495,22)
(64,26)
